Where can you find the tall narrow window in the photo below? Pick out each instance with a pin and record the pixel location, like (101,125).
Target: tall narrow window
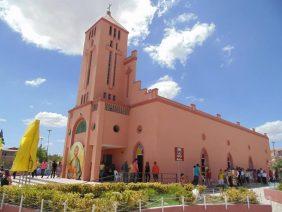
(109,67)
(115,32)
(111,29)
(114,97)
(81,100)
(111,43)
(119,34)
(109,96)
(105,95)
(94,31)
(116,46)
(89,68)
(115,65)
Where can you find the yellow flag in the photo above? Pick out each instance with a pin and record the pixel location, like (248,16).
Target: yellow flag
(1,144)
(25,160)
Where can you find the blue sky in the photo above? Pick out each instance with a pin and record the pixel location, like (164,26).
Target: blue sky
(229,60)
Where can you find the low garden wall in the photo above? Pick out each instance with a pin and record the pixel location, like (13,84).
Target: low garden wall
(273,195)
(14,208)
(214,208)
(194,208)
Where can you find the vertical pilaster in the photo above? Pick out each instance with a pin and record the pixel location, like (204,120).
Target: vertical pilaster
(97,147)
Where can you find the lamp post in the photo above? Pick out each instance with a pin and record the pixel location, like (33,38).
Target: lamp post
(41,141)
(273,142)
(49,131)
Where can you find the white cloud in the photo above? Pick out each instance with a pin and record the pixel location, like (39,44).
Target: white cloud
(31,106)
(228,49)
(35,82)
(167,87)
(165,5)
(60,25)
(273,130)
(182,18)
(227,55)
(3,120)
(195,99)
(49,119)
(179,44)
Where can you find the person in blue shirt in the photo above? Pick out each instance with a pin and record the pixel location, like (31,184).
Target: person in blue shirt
(196,173)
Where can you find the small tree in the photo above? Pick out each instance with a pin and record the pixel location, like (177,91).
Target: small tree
(277,166)
(41,154)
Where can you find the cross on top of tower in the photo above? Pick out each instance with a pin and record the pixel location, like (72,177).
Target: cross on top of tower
(109,9)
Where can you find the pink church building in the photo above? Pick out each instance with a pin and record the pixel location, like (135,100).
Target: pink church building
(116,120)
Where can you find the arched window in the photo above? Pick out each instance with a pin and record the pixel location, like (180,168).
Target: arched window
(81,127)
(229,161)
(251,165)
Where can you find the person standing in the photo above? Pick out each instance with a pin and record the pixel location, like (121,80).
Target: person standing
(208,177)
(196,173)
(59,169)
(135,170)
(125,170)
(156,172)
(43,168)
(54,169)
(221,178)
(147,172)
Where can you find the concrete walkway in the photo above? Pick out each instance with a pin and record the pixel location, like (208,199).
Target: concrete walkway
(276,207)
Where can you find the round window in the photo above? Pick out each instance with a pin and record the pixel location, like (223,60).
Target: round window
(116,128)
(139,129)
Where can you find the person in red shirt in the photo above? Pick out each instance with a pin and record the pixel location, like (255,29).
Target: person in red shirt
(134,170)
(208,177)
(155,171)
(43,168)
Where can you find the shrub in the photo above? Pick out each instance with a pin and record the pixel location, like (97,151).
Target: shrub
(240,195)
(114,196)
(189,197)
(201,188)
(189,187)
(132,198)
(151,193)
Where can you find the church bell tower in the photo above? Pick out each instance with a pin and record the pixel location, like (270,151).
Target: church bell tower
(105,48)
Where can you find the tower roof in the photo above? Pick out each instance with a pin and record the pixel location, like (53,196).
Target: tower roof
(109,18)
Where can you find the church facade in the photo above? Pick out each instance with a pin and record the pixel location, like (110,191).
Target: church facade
(115,120)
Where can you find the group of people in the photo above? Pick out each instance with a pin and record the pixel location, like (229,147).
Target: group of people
(130,172)
(239,176)
(231,177)
(48,169)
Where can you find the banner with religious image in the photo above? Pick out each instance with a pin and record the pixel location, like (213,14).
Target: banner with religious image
(75,161)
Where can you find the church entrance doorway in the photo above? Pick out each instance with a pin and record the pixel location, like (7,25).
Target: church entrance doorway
(204,163)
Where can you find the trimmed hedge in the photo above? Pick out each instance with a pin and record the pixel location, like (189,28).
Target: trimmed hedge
(105,195)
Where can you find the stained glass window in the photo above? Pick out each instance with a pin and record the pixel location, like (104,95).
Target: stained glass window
(81,127)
